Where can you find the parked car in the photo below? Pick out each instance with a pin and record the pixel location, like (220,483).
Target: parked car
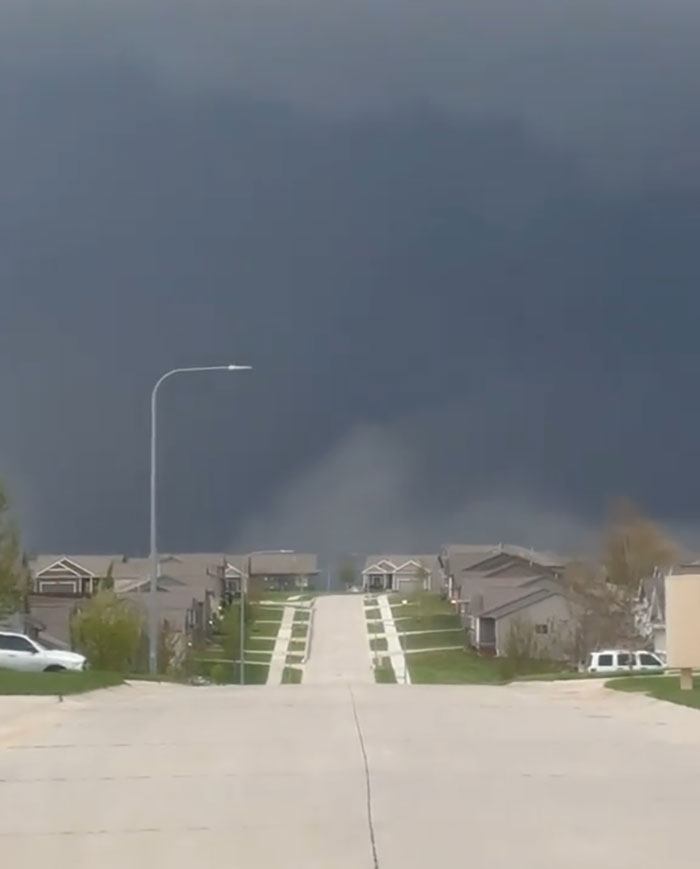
(19,652)
(624,660)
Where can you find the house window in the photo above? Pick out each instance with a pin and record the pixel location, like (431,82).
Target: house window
(541,629)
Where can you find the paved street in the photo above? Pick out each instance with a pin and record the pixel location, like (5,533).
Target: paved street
(533,776)
(339,645)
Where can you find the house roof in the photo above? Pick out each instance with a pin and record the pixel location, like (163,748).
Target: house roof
(281,563)
(505,602)
(397,562)
(82,565)
(463,557)
(532,557)
(480,583)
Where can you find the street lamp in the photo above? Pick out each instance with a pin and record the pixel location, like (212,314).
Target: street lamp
(152,615)
(241,627)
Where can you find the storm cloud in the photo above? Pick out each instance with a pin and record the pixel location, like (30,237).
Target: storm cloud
(457,242)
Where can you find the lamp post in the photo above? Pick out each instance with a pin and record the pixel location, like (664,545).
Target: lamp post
(241,628)
(152,614)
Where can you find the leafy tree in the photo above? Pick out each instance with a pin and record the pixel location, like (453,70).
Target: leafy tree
(14,572)
(108,631)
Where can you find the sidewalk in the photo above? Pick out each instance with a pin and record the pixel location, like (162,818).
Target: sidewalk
(339,643)
(393,643)
(279,653)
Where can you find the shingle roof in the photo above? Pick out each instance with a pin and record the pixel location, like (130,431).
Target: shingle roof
(464,557)
(429,562)
(86,565)
(504,602)
(480,583)
(283,564)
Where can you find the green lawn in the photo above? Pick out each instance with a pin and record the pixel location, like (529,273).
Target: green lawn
(254,674)
(372,612)
(291,676)
(661,687)
(384,673)
(265,630)
(424,605)
(297,645)
(302,616)
(433,641)
(261,644)
(434,622)
(299,631)
(453,667)
(378,644)
(12,682)
(375,627)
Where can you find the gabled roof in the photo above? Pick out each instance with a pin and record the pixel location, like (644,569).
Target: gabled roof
(79,566)
(482,583)
(397,563)
(531,557)
(514,601)
(282,564)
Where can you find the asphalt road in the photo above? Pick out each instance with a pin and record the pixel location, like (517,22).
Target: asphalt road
(543,776)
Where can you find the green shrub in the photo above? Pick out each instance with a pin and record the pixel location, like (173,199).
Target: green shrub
(109,632)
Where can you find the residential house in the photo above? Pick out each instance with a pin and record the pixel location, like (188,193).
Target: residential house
(278,571)
(542,609)
(650,610)
(501,560)
(77,575)
(402,573)
(495,586)
(187,588)
(59,582)
(455,559)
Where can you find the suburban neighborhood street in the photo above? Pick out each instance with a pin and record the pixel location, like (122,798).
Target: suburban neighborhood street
(534,774)
(339,648)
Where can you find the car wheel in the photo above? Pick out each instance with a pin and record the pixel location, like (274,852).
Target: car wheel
(54,668)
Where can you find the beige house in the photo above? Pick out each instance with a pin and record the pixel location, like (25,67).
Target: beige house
(544,612)
(188,587)
(401,573)
(457,562)
(275,571)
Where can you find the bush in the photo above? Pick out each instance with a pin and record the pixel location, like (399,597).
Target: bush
(109,632)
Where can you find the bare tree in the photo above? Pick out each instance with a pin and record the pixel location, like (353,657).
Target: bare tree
(634,546)
(604,596)
(604,613)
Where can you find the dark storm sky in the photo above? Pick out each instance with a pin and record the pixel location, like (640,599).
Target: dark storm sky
(457,240)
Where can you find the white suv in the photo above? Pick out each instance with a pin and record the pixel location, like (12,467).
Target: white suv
(623,661)
(18,652)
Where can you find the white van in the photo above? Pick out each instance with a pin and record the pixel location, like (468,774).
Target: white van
(622,661)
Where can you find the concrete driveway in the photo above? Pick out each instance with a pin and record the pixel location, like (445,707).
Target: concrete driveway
(527,776)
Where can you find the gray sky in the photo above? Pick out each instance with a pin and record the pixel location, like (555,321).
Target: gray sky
(457,240)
